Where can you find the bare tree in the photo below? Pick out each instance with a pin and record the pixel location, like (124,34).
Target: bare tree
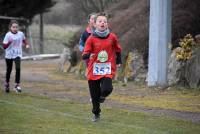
(85,7)
(41,34)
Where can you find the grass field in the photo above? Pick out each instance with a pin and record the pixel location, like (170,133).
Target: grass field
(34,114)
(58,103)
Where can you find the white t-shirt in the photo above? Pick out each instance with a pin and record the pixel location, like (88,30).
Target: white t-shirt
(15,48)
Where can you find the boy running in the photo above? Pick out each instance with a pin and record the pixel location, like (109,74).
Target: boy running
(104,53)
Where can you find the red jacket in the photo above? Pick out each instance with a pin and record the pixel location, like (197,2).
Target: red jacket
(99,67)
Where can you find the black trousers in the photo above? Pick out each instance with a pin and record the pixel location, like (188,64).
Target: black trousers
(9,65)
(102,87)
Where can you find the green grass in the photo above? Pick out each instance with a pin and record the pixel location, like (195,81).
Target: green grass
(30,114)
(177,100)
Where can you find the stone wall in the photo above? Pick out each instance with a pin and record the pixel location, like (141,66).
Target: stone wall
(186,73)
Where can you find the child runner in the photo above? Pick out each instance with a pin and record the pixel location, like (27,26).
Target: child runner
(84,36)
(12,43)
(104,53)
(87,32)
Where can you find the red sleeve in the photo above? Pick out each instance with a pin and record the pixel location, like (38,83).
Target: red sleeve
(25,42)
(88,46)
(6,45)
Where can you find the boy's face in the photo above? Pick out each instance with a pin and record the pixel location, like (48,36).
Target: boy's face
(14,28)
(91,20)
(101,23)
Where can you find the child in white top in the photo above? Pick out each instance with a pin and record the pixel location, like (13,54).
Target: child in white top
(12,43)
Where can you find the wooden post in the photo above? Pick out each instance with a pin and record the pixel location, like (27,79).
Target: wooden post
(41,34)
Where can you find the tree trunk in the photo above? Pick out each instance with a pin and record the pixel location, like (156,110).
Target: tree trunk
(41,34)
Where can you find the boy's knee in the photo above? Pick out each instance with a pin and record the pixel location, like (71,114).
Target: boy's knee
(17,67)
(106,92)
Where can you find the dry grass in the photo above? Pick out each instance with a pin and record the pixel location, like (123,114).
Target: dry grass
(55,37)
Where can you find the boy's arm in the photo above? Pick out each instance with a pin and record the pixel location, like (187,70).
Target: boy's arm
(118,50)
(82,41)
(5,46)
(6,42)
(25,42)
(86,56)
(118,58)
(88,48)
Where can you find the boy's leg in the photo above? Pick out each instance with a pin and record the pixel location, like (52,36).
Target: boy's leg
(9,64)
(18,69)
(17,76)
(106,87)
(95,91)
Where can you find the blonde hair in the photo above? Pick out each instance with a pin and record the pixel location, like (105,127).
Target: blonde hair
(89,16)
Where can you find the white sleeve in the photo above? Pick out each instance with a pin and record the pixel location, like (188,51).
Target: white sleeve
(6,39)
(23,36)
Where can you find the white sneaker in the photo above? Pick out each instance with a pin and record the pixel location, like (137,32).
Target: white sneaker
(96,118)
(18,89)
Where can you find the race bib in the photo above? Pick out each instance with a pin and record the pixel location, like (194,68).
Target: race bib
(16,52)
(102,68)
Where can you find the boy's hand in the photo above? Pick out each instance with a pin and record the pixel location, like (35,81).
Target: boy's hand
(5,46)
(27,46)
(118,65)
(91,55)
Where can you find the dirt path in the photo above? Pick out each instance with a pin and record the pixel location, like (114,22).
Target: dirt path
(40,77)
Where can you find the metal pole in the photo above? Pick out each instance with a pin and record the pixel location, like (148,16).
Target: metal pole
(159,38)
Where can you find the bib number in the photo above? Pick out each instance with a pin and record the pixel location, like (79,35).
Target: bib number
(102,68)
(16,52)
